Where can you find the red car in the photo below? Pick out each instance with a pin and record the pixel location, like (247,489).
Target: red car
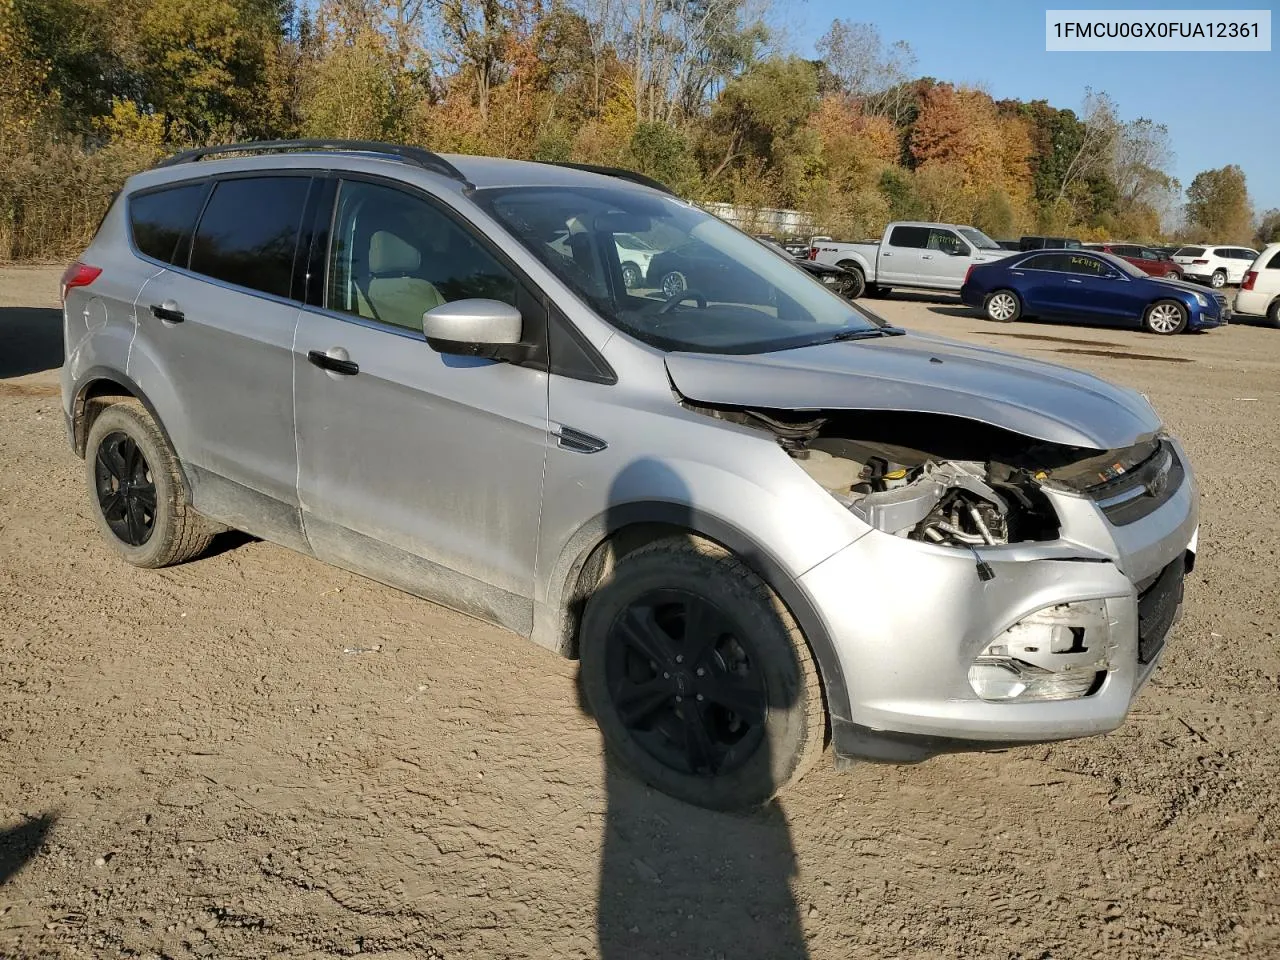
(1144,258)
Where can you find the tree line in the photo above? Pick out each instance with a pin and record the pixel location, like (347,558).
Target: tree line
(694,92)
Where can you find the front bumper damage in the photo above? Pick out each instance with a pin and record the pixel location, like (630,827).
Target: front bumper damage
(911,619)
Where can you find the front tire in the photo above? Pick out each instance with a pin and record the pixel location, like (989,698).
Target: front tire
(1218,280)
(136,491)
(1002,306)
(700,679)
(631,276)
(1165,318)
(673,282)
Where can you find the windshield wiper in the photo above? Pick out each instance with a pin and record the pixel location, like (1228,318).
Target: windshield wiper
(871,334)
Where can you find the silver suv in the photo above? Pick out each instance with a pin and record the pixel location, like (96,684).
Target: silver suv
(763,519)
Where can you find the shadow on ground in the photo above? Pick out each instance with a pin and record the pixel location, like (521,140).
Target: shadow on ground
(680,882)
(30,340)
(21,843)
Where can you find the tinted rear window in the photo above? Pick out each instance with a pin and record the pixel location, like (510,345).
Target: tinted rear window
(249,231)
(1274,262)
(909,237)
(1190,252)
(162,219)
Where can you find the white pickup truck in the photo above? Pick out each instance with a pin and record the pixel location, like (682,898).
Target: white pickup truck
(927,256)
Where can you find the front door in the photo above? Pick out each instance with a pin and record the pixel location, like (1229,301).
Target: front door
(416,468)
(946,261)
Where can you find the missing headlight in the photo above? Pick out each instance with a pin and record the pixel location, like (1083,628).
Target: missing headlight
(1061,652)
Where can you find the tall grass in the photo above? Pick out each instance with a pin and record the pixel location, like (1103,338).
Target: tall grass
(53,193)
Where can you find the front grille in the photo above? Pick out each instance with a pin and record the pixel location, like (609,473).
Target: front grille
(1158,602)
(1142,490)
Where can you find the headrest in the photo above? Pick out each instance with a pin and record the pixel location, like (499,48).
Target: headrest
(390,255)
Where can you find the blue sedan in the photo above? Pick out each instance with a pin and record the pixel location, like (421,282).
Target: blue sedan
(1093,287)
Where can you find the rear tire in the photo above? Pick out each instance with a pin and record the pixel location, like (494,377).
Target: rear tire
(1218,280)
(855,285)
(1273,314)
(631,276)
(722,717)
(136,492)
(1165,318)
(1002,306)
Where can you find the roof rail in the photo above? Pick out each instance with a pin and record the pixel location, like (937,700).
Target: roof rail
(416,155)
(618,172)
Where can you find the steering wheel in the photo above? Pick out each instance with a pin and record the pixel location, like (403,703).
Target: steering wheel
(679,298)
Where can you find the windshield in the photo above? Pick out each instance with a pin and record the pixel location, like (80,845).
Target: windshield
(708,288)
(979,239)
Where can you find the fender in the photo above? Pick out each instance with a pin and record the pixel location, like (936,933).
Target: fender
(595,531)
(79,435)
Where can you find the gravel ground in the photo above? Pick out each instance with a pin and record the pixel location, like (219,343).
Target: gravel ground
(258,755)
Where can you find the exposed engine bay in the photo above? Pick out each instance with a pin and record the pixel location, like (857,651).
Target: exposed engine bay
(938,479)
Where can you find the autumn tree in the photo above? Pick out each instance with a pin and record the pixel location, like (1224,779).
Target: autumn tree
(867,69)
(1218,207)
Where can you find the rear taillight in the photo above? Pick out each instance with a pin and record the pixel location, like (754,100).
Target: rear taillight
(1199,261)
(1249,277)
(969,273)
(813,253)
(78,275)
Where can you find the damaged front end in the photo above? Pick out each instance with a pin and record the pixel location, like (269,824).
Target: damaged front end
(953,483)
(945,480)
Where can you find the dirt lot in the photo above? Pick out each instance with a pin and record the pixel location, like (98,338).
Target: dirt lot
(257,755)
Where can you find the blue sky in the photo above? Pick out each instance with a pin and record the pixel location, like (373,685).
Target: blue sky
(1220,108)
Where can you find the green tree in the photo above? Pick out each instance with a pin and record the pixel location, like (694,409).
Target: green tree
(1218,207)
(662,152)
(1268,229)
(760,116)
(210,66)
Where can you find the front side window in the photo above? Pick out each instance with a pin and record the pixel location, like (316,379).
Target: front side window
(947,242)
(249,232)
(916,238)
(706,288)
(394,256)
(162,220)
(1085,266)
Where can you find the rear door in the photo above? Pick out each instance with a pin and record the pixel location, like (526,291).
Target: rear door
(1041,281)
(1239,265)
(900,259)
(218,325)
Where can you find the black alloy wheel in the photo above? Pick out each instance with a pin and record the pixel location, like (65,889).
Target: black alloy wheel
(686,687)
(125,488)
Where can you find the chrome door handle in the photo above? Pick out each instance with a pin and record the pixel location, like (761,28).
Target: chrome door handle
(1074,280)
(926,256)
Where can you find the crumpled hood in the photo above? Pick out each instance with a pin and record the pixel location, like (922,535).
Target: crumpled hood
(924,374)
